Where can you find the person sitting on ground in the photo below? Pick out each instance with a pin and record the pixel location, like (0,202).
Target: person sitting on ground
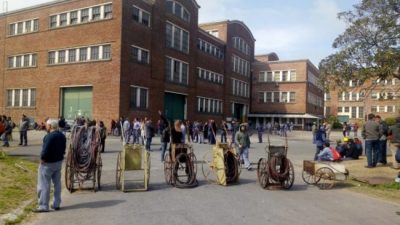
(326,153)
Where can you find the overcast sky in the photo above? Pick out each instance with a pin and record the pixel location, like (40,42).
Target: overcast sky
(294,29)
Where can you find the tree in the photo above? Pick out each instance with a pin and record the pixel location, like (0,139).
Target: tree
(370,46)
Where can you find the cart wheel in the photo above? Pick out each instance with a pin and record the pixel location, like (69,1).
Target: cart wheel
(288,183)
(307,177)
(346,174)
(325,178)
(168,168)
(69,173)
(193,159)
(209,172)
(118,173)
(262,173)
(182,169)
(148,165)
(99,166)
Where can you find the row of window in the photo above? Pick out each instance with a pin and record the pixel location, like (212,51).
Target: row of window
(276,97)
(360,96)
(177,38)
(353,112)
(84,15)
(393,81)
(82,54)
(141,16)
(209,105)
(241,45)
(384,95)
(210,48)
(22,61)
(23,27)
(277,76)
(240,88)
(177,71)
(381,109)
(315,100)
(21,98)
(178,10)
(210,76)
(140,55)
(241,66)
(312,78)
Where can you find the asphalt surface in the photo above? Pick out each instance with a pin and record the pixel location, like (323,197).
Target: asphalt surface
(243,203)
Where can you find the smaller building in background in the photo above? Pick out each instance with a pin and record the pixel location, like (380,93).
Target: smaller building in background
(286,92)
(355,100)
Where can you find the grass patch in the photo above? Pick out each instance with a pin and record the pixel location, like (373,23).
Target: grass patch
(18,180)
(388,191)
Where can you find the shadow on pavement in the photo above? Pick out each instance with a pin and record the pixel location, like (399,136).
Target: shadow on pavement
(94,205)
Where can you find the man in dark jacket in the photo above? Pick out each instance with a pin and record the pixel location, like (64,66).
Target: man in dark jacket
(149,133)
(394,134)
(370,133)
(52,155)
(23,131)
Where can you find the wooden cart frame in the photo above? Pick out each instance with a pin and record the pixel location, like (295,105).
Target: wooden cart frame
(322,174)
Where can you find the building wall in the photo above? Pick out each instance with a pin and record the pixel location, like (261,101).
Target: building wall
(103,76)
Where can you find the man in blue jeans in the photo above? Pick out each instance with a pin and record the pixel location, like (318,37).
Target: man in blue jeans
(370,133)
(51,157)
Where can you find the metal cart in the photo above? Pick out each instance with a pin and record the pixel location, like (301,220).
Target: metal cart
(322,174)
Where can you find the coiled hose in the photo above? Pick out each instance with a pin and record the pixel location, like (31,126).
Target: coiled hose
(188,161)
(284,167)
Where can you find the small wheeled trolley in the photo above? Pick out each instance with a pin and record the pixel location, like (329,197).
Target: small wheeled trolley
(276,170)
(179,166)
(221,165)
(322,174)
(83,161)
(133,157)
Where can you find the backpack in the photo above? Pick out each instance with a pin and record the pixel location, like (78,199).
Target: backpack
(397,156)
(335,154)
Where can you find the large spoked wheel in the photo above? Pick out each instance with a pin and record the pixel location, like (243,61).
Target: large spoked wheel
(288,183)
(307,177)
(193,160)
(168,168)
(325,178)
(99,167)
(209,172)
(148,165)
(69,173)
(182,169)
(262,173)
(231,167)
(118,174)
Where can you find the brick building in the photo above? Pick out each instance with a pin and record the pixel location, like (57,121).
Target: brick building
(355,100)
(108,58)
(285,91)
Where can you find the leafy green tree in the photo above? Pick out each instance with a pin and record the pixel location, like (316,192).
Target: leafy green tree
(370,46)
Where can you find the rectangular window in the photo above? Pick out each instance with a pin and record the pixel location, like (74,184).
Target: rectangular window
(390,108)
(285,76)
(353,112)
(382,109)
(140,55)
(9,98)
(10,62)
(374,109)
(346,109)
(276,96)
(354,97)
(11,30)
(106,51)
(177,38)
(293,75)
(269,97)
(17,98)
(361,112)
(28,26)
(34,59)
(146,18)
(84,15)
(61,56)
(96,13)
(277,76)
(284,97)
(82,54)
(108,11)
(139,98)
(72,55)
(35,25)
(63,19)
(292,97)
(25,97)
(141,16)
(339,109)
(18,61)
(269,77)
(177,71)
(26,61)
(53,21)
(20,28)
(52,58)
(261,77)
(94,53)
(73,17)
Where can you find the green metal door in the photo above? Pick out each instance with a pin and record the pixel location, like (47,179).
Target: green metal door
(174,106)
(77,102)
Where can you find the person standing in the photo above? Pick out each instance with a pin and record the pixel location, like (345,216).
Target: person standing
(126,128)
(328,130)
(243,143)
(7,131)
(355,130)
(260,131)
(136,131)
(344,129)
(320,139)
(165,135)
(23,131)
(51,156)
(394,134)
(103,135)
(370,133)
(383,133)
(224,129)
(149,134)
(314,131)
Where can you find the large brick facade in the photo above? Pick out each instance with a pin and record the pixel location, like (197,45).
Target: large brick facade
(111,80)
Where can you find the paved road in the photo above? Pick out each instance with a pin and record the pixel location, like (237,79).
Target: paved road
(244,203)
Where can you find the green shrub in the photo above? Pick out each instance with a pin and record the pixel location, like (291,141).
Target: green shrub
(390,121)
